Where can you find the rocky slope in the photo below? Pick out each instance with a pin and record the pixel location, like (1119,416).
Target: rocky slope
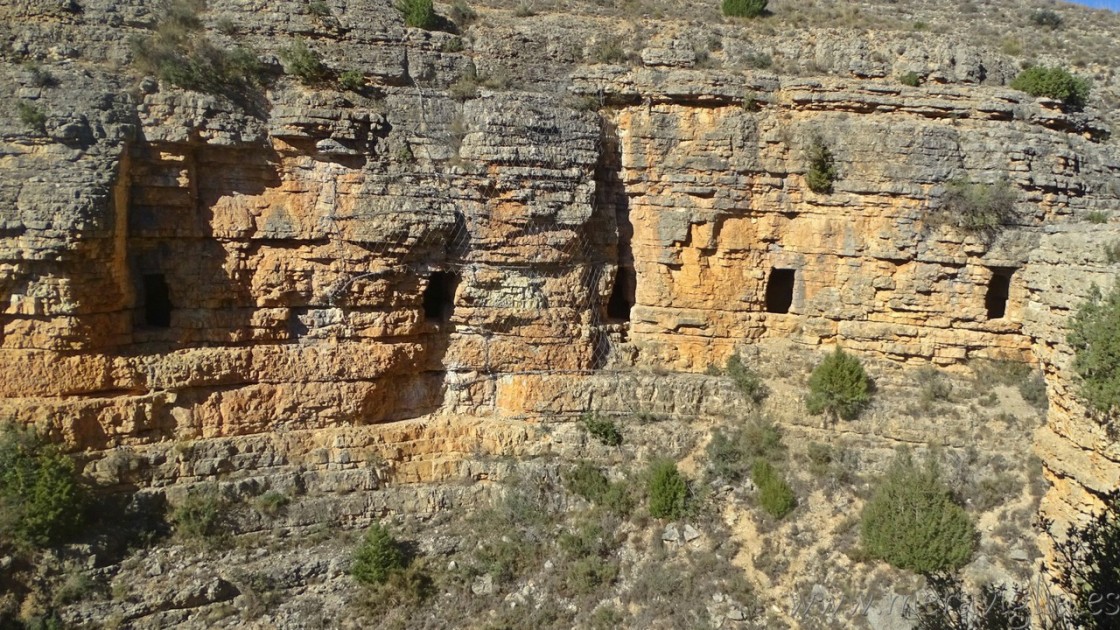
(334,287)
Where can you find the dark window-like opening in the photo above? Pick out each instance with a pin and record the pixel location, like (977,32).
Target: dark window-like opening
(779,290)
(622,295)
(999,288)
(439,297)
(157,301)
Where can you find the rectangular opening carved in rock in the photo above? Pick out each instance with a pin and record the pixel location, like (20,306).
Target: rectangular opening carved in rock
(779,290)
(622,295)
(439,296)
(999,289)
(157,301)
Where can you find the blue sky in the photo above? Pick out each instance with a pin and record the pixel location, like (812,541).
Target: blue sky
(1101,4)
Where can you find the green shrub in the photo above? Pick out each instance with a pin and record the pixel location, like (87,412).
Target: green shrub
(378,557)
(820,458)
(1095,337)
(934,386)
(839,386)
(1112,252)
(1055,83)
(318,8)
(1088,563)
(418,13)
(41,501)
(462,13)
(744,8)
(668,490)
(976,208)
(1097,217)
(1046,18)
(774,494)
(40,76)
(202,516)
(352,80)
(746,380)
(1033,391)
(602,429)
(758,60)
(32,117)
(272,503)
(913,523)
(731,455)
(304,63)
(587,481)
(822,170)
(911,79)
(608,50)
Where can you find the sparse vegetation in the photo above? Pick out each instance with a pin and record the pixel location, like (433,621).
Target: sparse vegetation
(418,13)
(32,117)
(587,481)
(1097,217)
(202,516)
(746,380)
(40,76)
(180,54)
(304,63)
(910,79)
(41,501)
(1055,83)
(913,523)
(975,207)
(1095,337)
(744,8)
(839,386)
(1112,252)
(1046,18)
(608,50)
(603,429)
(272,503)
(668,490)
(821,173)
(462,13)
(731,456)
(774,494)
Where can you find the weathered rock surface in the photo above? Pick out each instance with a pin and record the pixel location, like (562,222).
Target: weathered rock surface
(338,279)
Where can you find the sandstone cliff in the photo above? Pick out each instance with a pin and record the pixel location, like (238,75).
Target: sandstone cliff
(503,224)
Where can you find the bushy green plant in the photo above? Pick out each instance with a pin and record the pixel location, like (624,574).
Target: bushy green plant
(602,429)
(822,169)
(774,494)
(912,521)
(731,455)
(746,380)
(41,501)
(272,503)
(911,79)
(304,63)
(418,13)
(668,490)
(378,557)
(744,8)
(462,13)
(1046,18)
(1095,337)
(975,207)
(32,117)
(1097,217)
(839,386)
(202,515)
(352,80)
(1056,83)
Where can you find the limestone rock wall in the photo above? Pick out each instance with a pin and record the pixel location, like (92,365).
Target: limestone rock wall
(175,266)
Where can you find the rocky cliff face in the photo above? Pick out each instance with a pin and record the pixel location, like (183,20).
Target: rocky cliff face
(485,236)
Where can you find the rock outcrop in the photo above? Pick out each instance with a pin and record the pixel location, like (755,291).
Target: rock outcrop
(179,268)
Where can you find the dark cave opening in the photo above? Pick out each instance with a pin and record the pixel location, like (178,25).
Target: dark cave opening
(157,301)
(622,295)
(439,296)
(999,290)
(779,290)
